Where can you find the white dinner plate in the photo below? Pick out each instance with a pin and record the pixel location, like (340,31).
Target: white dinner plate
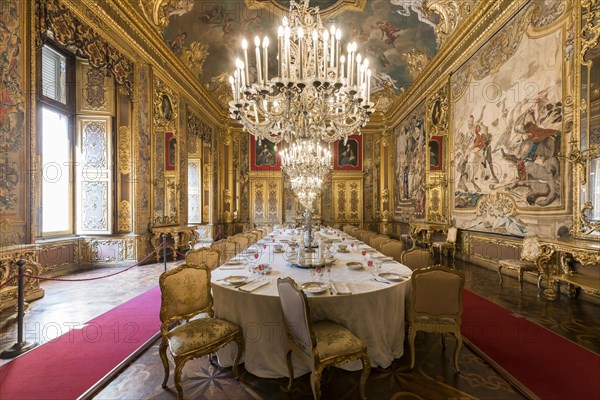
(234,262)
(354,265)
(390,276)
(235,280)
(315,287)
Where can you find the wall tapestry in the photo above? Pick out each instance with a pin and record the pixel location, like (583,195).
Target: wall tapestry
(409,165)
(507,127)
(142,149)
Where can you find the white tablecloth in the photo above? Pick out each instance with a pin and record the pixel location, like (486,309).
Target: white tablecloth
(374,312)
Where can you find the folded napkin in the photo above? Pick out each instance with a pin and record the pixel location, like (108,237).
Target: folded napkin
(341,288)
(252,286)
(239,266)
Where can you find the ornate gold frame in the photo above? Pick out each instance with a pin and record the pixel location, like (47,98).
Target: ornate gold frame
(581,151)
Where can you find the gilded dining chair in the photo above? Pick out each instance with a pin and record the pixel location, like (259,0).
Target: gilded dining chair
(436,306)
(416,258)
(532,250)
(185,293)
(226,248)
(204,255)
(367,237)
(378,241)
(242,242)
(393,248)
(317,344)
(450,243)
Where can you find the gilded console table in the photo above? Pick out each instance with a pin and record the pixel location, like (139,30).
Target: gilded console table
(586,253)
(181,235)
(421,232)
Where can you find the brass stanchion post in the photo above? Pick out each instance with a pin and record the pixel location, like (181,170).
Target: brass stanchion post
(164,242)
(21,346)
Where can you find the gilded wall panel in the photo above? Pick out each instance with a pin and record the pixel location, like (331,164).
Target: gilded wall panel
(95,91)
(508,123)
(347,198)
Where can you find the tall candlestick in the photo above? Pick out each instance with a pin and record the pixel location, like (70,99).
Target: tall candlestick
(232,83)
(287,50)
(325,51)
(338,46)
(245,47)
(300,59)
(358,61)
(266,59)
(368,86)
(332,47)
(349,63)
(342,65)
(279,51)
(258,68)
(315,36)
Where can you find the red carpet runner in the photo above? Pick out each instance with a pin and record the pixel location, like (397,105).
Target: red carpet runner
(72,363)
(549,365)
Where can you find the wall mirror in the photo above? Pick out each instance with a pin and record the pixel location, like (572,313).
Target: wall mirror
(587,157)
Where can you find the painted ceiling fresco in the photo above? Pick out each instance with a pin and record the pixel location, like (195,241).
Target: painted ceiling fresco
(207,35)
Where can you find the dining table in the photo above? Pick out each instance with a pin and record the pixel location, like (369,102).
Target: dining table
(359,288)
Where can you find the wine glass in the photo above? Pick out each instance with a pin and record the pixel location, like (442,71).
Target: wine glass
(364,254)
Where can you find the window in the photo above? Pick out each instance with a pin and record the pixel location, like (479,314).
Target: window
(194,190)
(56,143)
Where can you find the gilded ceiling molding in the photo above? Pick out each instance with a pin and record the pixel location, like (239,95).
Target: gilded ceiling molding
(57,21)
(282,7)
(452,13)
(416,61)
(157,12)
(199,129)
(194,56)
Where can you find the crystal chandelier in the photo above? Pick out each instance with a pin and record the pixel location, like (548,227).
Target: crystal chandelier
(317,93)
(306,162)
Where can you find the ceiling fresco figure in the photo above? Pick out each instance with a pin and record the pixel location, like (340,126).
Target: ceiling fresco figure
(384,31)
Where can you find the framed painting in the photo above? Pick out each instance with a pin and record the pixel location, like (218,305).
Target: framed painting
(170,151)
(264,155)
(436,153)
(348,156)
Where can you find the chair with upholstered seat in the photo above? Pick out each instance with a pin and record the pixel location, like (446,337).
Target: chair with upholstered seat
(378,240)
(204,255)
(393,248)
(367,236)
(226,248)
(252,237)
(450,243)
(242,242)
(317,344)
(530,253)
(185,293)
(416,258)
(436,306)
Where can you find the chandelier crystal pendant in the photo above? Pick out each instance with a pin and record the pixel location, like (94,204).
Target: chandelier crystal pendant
(306,163)
(319,91)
